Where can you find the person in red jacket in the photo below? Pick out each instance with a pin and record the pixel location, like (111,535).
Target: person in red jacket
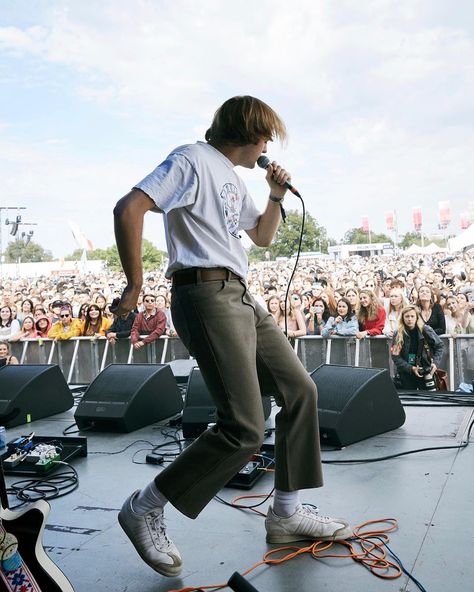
(151,323)
(371,315)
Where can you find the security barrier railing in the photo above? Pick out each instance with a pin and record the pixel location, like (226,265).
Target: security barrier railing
(81,359)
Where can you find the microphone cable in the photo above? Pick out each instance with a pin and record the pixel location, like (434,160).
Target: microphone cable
(263,162)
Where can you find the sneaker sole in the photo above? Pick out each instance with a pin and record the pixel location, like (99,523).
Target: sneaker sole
(166,570)
(341,535)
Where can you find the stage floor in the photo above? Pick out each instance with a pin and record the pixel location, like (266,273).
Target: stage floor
(430,494)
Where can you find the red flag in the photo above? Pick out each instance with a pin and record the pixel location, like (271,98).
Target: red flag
(390,220)
(365,224)
(444,211)
(465,221)
(417,219)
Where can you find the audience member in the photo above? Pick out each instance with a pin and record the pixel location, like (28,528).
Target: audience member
(371,315)
(121,327)
(6,357)
(66,327)
(8,324)
(151,323)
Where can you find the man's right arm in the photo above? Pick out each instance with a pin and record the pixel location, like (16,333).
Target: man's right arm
(128,224)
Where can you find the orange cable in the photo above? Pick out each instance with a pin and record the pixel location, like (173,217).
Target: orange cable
(372,554)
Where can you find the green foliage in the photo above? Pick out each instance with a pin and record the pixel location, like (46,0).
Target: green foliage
(285,243)
(96,254)
(151,256)
(410,238)
(356,236)
(30,253)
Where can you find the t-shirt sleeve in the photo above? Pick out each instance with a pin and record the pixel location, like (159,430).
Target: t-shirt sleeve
(173,184)
(249,214)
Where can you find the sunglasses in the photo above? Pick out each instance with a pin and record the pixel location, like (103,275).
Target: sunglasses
(65,316)
(148,300)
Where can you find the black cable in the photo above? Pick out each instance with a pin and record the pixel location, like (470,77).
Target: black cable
(123,449)
(296,262)
(464,444)
(47,488)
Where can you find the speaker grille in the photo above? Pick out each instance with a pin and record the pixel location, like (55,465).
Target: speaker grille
(335,383)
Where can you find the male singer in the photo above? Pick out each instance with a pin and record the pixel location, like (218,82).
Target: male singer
(205,206)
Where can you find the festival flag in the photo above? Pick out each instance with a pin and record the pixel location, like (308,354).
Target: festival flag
(444,213)
(80,238)
(390,220)
(365,224)
(465,220)
(417,218)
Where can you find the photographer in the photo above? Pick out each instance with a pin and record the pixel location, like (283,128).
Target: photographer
(416,351)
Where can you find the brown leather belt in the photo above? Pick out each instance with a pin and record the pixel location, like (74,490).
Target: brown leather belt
(195,275)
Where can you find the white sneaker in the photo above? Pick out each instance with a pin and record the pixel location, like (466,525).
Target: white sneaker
(147,533)
(305,524)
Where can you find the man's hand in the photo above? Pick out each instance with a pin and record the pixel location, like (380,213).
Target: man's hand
(276,178)
(138,345)
(416,371)
(127,302)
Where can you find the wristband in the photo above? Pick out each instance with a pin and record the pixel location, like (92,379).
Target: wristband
(275,199)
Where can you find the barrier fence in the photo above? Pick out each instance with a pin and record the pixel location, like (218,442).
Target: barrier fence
(81,359)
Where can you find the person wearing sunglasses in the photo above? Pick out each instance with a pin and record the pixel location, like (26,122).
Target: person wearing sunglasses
(66,327)
(151,323)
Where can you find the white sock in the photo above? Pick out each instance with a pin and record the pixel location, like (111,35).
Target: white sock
(285,502)
(149,499)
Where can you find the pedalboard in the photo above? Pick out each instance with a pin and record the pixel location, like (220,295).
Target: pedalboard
(33,455)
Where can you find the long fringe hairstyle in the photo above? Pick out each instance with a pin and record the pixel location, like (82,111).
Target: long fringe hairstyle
(245,120)
(370,312)
(402,330)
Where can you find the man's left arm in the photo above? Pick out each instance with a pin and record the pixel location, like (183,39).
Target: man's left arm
(262,235)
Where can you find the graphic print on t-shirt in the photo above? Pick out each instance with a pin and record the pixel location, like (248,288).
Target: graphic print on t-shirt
(232,203)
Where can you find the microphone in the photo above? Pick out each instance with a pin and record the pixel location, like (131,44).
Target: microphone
(264,162)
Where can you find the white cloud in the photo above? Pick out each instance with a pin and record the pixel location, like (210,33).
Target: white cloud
(377,95)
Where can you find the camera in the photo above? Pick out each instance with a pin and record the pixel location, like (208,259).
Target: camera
(430,384)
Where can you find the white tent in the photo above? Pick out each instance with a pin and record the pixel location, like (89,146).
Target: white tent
(464,239)
(428,250)
(412,249)
(434,248)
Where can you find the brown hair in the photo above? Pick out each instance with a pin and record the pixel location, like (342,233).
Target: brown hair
(371,312)
(244,120)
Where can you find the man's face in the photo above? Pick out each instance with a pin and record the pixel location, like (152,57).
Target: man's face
(149,302)
(65,317)
(251,153)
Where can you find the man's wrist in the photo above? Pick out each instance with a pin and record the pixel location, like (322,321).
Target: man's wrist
(275,199)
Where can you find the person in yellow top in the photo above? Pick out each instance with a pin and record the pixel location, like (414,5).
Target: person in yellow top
(66,327)
(95,324)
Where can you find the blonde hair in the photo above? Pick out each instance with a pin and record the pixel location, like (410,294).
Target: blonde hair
(404,300)
(245,120)
(371,312)
(401,332)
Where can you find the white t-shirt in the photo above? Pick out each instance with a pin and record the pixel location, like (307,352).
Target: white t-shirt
(205,204)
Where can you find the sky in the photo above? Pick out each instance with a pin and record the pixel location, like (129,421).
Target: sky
(377,96)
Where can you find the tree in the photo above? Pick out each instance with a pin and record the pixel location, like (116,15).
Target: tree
(30,253)
(96,254)
(151,256)
(356,236)
(410,238)
(285,243)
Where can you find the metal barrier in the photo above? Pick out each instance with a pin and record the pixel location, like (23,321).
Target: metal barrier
(81,359)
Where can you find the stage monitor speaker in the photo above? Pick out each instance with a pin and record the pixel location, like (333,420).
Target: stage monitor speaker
(32,391)
(199,409)
(126,397)
(355,403)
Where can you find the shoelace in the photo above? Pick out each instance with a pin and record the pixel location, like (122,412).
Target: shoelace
(313,511)
(158,526)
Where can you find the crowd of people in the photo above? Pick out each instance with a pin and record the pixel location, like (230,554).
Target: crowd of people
(356,297)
